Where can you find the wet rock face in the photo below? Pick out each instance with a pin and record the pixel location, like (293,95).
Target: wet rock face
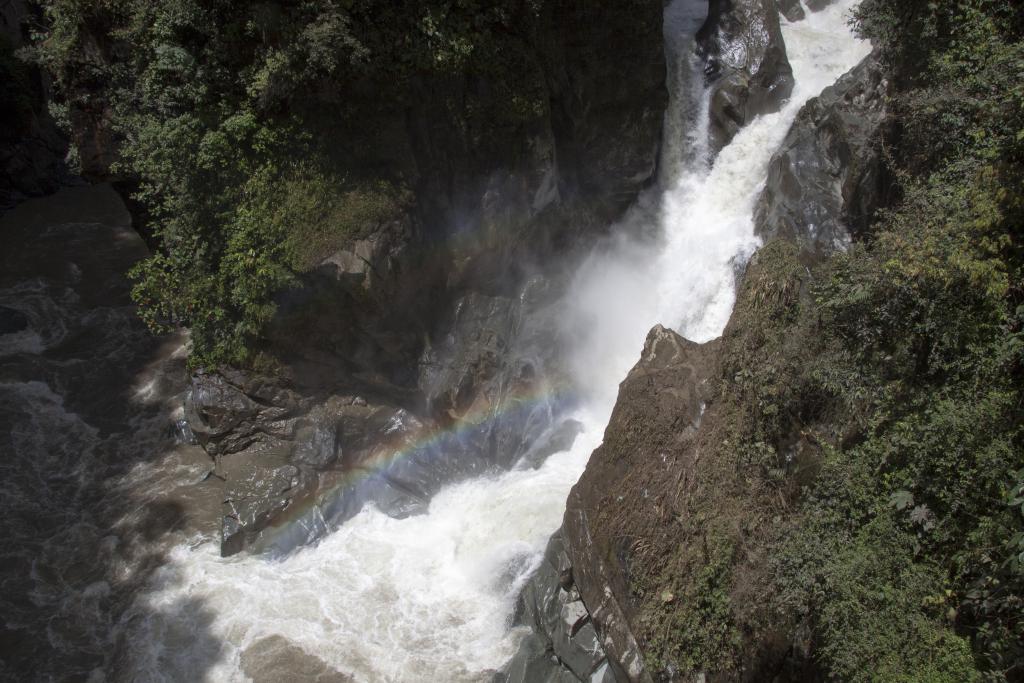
(746,64)
(828,176)
(563,644)
(461,368)
(274,659)
(792,10)
(272,446)
(496,356)
(293,466)
(233,410)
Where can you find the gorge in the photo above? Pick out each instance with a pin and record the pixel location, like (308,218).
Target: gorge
(665,281)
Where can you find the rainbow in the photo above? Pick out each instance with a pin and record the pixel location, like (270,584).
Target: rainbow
(342,493)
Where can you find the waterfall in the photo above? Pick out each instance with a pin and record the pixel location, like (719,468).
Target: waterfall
(429,598)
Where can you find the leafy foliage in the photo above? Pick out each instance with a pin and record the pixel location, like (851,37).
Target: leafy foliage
(258,132)
(872,407)
(905,553)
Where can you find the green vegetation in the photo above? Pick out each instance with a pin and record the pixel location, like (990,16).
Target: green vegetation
(868,435)
(923,329)
(701,635)
(264,135)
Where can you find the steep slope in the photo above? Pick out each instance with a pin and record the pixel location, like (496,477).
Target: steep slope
(376,221)
(831,491)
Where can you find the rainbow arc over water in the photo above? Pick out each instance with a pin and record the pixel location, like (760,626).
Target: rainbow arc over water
(411,450)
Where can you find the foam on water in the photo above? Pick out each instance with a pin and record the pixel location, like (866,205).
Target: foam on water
(708,216)
(430,597)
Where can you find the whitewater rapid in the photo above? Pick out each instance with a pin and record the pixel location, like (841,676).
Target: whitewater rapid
(429,598)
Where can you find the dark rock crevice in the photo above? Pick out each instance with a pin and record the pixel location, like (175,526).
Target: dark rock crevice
(32,147)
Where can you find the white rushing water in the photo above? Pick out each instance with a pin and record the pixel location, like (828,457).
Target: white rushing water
(429,598)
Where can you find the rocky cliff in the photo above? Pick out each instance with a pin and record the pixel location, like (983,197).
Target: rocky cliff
(404,359)
(665,537)
(829,175)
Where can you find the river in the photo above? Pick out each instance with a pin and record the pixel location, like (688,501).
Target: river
(97,473)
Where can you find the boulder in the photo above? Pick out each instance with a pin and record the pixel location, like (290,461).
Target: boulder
(274,658)
(232,410)
(745,64)
(580,652)
(534,661)
(557,439)
(829,175)
(256,496)
(275,449)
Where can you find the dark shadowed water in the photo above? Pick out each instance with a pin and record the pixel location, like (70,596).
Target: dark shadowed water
(93,484)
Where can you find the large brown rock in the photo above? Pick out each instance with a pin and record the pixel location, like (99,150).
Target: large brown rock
(658,412)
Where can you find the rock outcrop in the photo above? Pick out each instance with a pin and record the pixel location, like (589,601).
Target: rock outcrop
(829,175)
(293,464)
(274,658)
(745,64)
(659,409)
(580,595)
(605,69)
(793,10)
